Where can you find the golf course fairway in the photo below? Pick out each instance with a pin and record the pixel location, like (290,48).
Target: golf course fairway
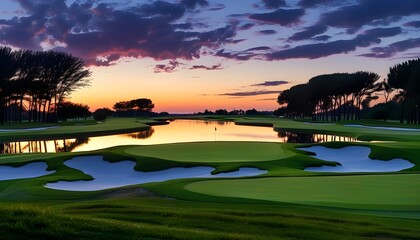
(373,192)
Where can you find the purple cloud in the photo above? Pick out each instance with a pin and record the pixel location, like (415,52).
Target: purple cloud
(213,67)
(167,68)
(365,12)
(267,32)
(192,4)
(284,17)
(270,83)
(273,4)
(248,93)
(394,48)
(90,30)
(415,24)
(246,26)
(315,3)
(318,50)
(322,38)
(308,33)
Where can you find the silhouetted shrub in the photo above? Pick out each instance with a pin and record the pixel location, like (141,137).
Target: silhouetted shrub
(100,114)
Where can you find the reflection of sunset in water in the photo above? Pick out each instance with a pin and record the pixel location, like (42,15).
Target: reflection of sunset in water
(176,131)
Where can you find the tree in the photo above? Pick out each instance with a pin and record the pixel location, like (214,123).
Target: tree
(73,110)
(405,78)
(101,114)
(8,69)
(38,80)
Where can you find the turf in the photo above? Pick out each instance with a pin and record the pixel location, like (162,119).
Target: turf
(157,218)
(215,151)
(374,192)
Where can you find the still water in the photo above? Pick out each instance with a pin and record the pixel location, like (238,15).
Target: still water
(176,131)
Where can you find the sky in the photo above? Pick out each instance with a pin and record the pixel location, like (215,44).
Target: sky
(191,55)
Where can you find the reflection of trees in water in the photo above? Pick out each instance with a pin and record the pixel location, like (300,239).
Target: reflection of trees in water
(215,122)
(295,137)
(68,145)
(142,135)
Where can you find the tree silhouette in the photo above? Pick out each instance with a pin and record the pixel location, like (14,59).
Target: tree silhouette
(330,97)
(39,80)
(405,77)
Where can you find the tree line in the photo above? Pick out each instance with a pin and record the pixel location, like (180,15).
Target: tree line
(33,84)
(135,107)
(342,96)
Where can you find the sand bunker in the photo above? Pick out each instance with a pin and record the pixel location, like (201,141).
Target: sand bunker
(354,159)
(29,170)
(27,129)
(384,128)
(110,175)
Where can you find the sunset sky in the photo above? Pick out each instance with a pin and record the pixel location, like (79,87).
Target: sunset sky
(189,55)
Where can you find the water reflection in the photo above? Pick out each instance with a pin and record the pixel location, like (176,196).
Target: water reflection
(176,131)
(295,137)
(142,134)
(44,146)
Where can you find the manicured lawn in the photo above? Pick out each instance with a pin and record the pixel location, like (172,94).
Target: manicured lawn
(373,192)
(215,151)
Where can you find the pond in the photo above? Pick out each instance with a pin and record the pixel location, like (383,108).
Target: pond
(176,131)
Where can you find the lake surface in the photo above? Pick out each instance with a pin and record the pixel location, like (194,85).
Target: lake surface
(176,131)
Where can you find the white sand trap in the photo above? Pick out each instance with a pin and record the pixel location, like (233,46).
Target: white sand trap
(28,129)
(384,128)
(110,175)
(29,170)
(354,159)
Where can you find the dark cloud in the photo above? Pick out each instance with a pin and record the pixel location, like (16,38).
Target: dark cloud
(318,50)
(103,33)
(394,48)
(269,84)
(192,4)
(365,12)
(315,3)
(282,17)
(218,7)
(167,68)
(322,38)
(213,67)
(308,33)
(242,56)
(246,26)
(415,24)
(267,32)
(249,93)
(262,48)
(273,4)
(267,99)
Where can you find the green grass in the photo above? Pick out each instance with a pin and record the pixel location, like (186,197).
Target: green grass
(156,218)
(215,151)
(373,192)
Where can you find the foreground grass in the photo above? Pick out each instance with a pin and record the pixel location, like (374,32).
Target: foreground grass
(156,218)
